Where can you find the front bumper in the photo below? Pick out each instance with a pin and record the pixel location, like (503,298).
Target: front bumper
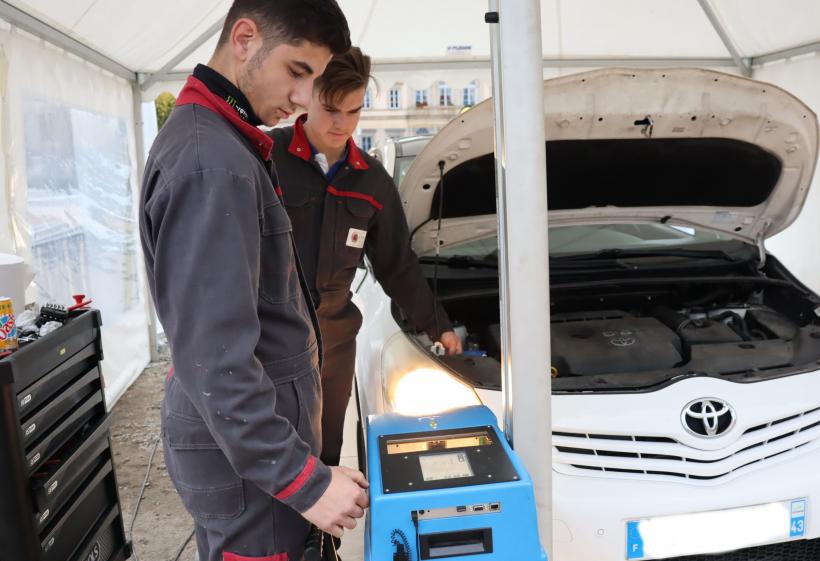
(591,508)
(591,512)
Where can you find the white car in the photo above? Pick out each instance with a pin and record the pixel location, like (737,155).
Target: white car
(685,360)
(396,155)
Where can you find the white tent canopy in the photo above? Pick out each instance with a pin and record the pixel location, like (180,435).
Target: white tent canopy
(74,74)
(137,40)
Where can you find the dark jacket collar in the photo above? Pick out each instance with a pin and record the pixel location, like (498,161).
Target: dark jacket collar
(220,86)
(300,147)
(196,93)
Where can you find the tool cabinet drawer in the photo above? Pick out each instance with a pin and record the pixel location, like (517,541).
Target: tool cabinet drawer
(35,360)
(58,478)
(74,524)
(106,542)
(51,412)
(89,411)
(31,397)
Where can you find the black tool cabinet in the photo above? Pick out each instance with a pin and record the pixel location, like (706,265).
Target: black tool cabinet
(58,490)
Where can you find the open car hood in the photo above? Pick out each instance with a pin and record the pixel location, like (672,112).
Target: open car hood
(682,146)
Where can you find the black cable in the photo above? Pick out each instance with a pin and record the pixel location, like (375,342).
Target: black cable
(415,516)
(184,545)
(139,499)
(438,245)
(402,546)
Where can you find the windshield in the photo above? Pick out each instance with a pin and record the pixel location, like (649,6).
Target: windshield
(402,165)
(568,240)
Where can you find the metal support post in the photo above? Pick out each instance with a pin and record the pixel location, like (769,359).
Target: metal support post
(523,242)
(139,141)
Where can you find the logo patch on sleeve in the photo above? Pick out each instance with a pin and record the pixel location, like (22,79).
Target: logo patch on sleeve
(355,238)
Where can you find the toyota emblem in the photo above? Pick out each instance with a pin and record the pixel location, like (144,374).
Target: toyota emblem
(708,417)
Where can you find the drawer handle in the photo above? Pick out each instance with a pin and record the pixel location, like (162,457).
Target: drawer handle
(52,487)
(31,429)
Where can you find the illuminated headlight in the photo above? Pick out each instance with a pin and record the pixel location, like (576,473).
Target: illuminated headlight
(415,385)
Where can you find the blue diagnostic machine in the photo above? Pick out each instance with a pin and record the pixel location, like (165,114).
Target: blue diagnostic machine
(447,486)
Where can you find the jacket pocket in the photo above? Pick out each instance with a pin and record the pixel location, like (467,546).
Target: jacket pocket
(309,425)
(278,280)
(206,482)
(353,225)
(360,208)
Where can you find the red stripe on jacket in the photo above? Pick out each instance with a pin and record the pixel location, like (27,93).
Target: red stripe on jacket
(299,482)
(226,556)
(354,195)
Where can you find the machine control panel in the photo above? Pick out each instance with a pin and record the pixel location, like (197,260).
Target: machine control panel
(444,459)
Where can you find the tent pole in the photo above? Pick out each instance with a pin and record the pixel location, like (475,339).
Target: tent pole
(724,36)
(29,23)
(523,244)
(160,75)
(139,141)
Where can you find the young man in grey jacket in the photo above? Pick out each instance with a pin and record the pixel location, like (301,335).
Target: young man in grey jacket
(241,414)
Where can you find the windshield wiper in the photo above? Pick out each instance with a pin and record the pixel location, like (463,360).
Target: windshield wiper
(615,253)
(461,261)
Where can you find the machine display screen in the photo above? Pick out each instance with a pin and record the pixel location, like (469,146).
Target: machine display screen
(437,467)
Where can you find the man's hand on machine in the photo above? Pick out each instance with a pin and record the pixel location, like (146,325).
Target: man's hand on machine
(451,342)
(342,503)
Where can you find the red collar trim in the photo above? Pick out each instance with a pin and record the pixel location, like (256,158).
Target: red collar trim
(196,93)
(300,147)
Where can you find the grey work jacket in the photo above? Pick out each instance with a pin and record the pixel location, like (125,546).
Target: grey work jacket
(230,295)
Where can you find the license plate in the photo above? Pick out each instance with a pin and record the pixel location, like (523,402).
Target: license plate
(715,531)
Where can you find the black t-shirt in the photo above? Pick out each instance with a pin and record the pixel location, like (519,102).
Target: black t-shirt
(221,86)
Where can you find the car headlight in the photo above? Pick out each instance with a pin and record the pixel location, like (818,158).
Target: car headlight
(415,385)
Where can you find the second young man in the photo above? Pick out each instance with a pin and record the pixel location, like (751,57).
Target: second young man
(343,205)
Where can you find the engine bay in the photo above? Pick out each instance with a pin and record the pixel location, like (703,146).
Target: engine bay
(616,339)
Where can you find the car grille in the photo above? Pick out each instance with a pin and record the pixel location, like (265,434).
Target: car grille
(658,457)
(803,550)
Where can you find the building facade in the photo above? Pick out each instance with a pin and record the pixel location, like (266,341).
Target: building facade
(408,101)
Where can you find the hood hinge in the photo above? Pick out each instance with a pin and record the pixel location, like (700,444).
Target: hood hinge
(761,247)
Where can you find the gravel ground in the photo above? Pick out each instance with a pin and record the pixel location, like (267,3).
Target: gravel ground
(162,524)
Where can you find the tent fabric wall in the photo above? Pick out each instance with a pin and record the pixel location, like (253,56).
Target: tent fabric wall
(71,189)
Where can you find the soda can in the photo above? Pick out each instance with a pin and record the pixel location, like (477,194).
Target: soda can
(8,326)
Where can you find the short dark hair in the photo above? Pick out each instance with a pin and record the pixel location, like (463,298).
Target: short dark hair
(344,73)
(320,22)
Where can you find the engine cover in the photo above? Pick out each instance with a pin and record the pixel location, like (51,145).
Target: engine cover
(613,345)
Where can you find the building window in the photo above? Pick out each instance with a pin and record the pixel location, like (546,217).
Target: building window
(368,99)
(445,95)
(422,130)
(395,134)
(470,94)
(367,142)
(394,99)
(422,99)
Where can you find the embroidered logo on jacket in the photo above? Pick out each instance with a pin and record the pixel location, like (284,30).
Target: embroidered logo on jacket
(355,238)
